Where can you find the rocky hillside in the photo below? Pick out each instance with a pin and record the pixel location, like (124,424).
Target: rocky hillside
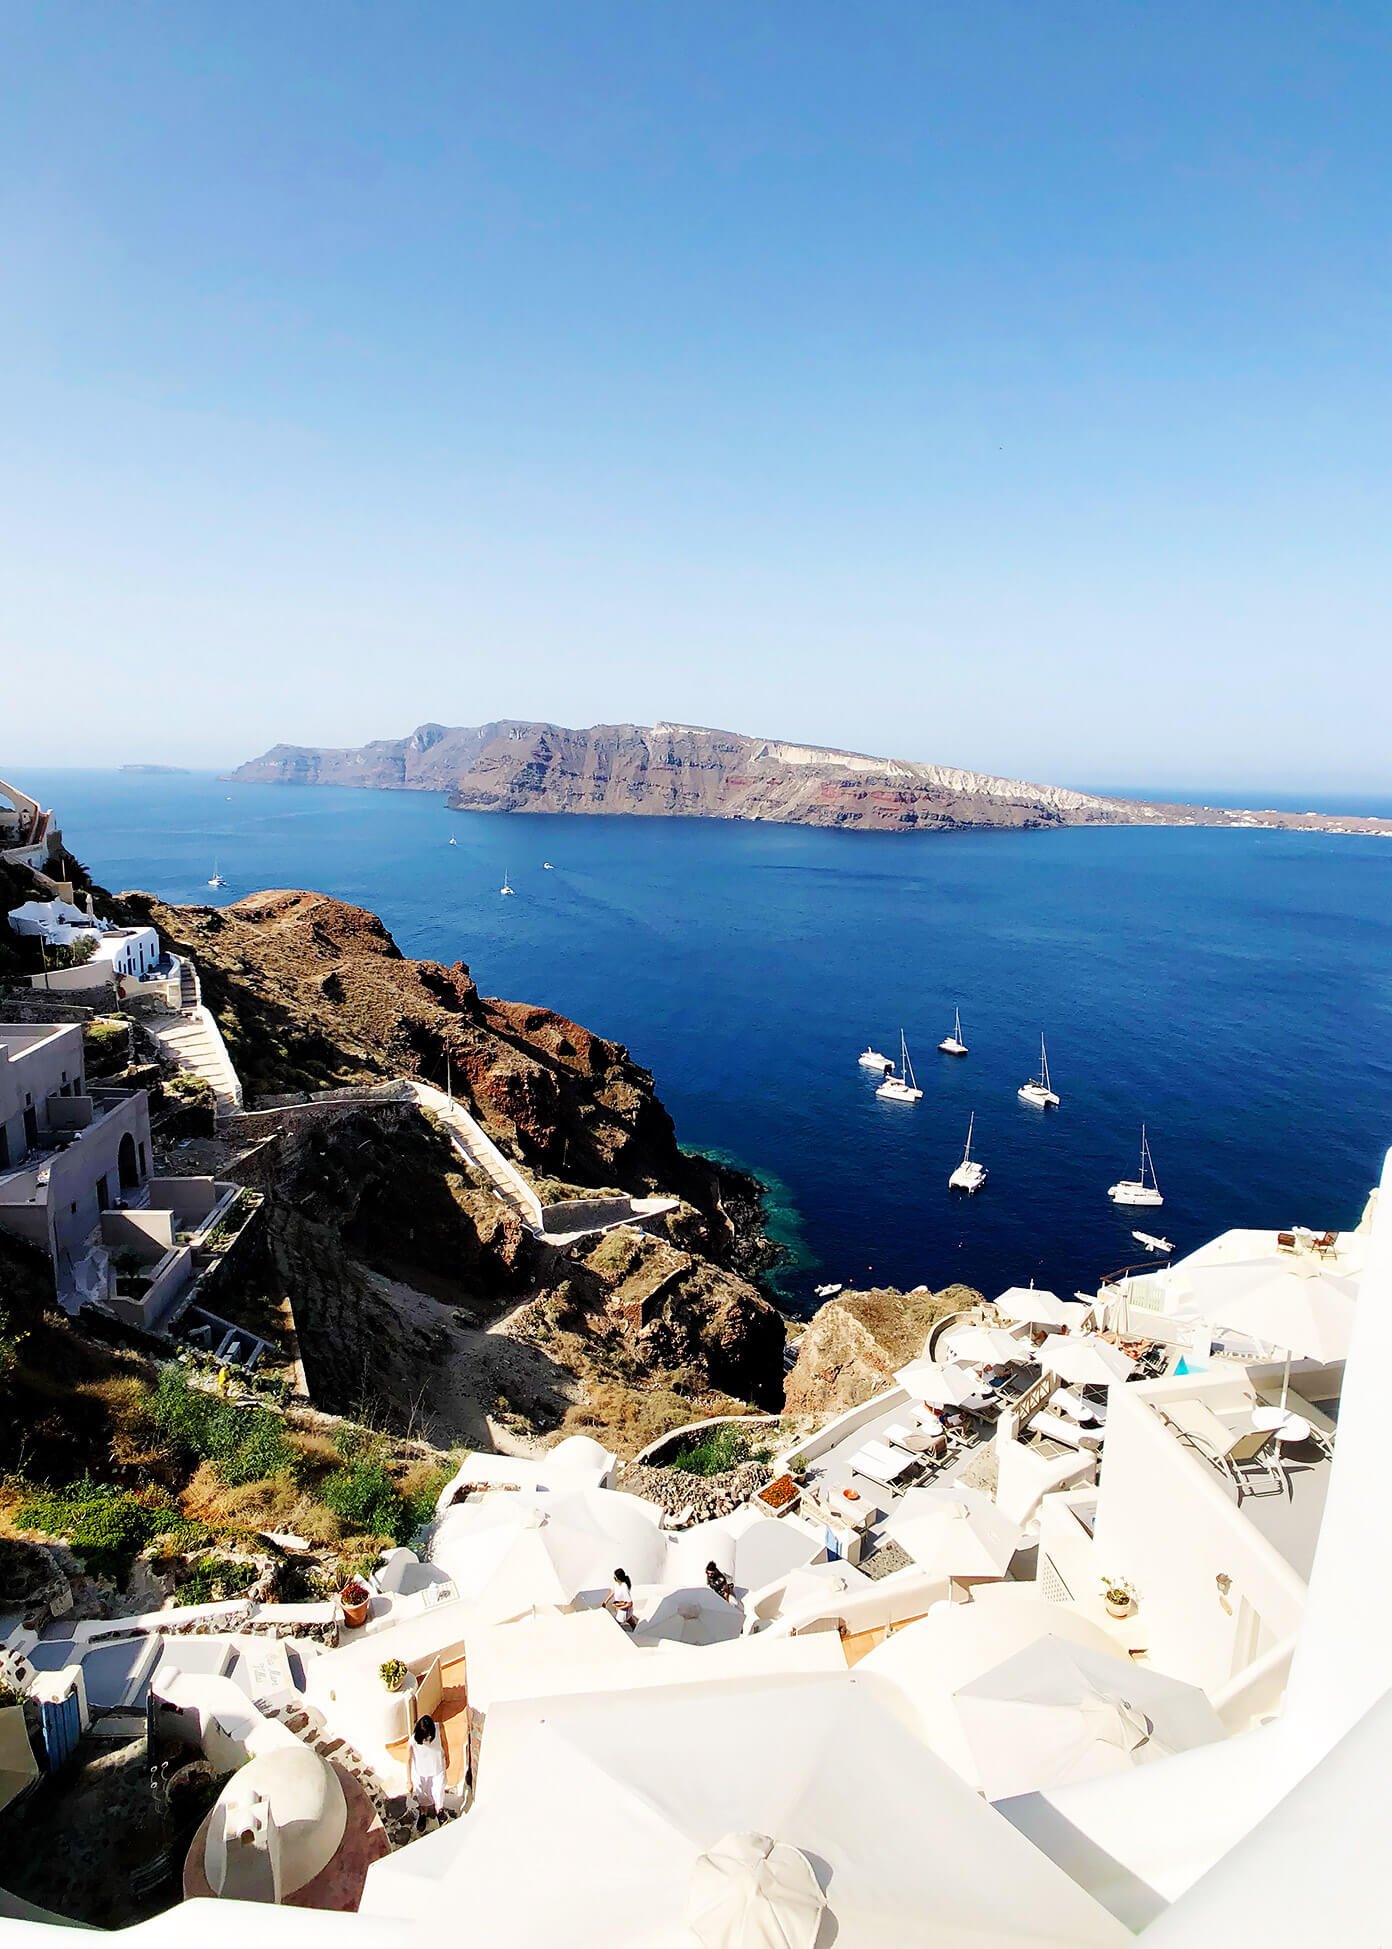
(856,1342)
(684,771)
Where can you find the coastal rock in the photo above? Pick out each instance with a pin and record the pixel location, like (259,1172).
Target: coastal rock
(856,1342)
(687,771)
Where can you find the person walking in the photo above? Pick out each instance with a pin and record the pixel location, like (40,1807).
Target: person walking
(427,1766)
(620,1601)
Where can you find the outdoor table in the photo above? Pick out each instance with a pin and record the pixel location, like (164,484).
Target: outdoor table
(1281,1422)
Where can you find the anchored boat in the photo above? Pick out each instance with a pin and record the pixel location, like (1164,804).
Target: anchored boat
(1142,1190)
(1039,1090)
(901,1088)
(953,1045)
(872,1059)
(969,1175)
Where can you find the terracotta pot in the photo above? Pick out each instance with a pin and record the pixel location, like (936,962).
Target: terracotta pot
(355,1607)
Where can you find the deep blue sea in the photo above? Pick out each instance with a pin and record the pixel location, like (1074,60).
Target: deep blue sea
(1232,989)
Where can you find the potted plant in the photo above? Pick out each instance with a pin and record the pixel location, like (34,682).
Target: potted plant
(394,1674)
(355,1597)
(1118,1596)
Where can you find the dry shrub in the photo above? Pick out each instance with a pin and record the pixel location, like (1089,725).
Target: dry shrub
(627,1419)
(314,1521)
(263,1504)
(316,1451)
(136,1441)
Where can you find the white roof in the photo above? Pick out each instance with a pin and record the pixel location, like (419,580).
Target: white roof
(511,1553)
(953,1531)
(1034,1306)
(1084,1358)
(592,1812)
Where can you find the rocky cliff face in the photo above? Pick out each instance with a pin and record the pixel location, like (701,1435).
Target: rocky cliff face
(856,1342)
(685,771)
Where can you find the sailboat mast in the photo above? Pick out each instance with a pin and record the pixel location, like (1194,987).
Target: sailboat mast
(966,1154)
(1043,1064)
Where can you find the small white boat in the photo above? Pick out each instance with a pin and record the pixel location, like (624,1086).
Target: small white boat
(547,867)
(826,1292)
(872,1059)
(969,1175)
(1141,1190)
(505,888)
(901,1088)
(953,1045)
(217,879)
(1151,1243)
(452,840)
(1039,1090)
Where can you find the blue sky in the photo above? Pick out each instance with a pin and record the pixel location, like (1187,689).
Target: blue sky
(1004,384)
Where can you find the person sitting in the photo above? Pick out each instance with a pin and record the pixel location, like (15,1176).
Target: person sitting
(427,1767)
(620,1601)
(720,1583)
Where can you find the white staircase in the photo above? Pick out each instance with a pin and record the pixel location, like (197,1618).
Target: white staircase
(193,1040)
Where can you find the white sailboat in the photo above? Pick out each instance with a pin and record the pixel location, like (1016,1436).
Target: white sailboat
(505,888)
(452,840)
(217,879)
(1039,1090)
(953,1045)
(969,1175)
(901,1088)
(1140,1190)
(872,1059)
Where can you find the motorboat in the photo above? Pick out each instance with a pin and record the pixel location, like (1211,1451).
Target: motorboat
(452,840)
(1039,1090)
(901,1088)
(969,1175)
(1151,1243)
(1142,1189)
(953,1045)
(827,1292)
(872,1059)
(547,867)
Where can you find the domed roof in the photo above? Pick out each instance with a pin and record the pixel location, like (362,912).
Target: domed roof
(286,1802)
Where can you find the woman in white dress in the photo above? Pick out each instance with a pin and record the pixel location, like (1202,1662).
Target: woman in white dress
(427,1766)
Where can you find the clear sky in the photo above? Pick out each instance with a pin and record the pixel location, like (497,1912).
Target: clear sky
(1000,383)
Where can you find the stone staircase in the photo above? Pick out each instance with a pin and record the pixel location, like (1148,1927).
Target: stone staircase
(192,1040)
(307,1724)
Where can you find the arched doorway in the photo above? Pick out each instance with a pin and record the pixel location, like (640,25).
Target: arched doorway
(125,1158)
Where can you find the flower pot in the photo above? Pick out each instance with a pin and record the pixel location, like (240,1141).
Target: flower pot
(1118,1607)
(356,1603)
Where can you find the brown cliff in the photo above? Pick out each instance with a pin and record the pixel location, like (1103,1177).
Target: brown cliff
(856,1342)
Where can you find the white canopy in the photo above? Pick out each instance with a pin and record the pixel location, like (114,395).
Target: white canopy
(694,1616)
(1297,1306)
(939,1387)
(592,1813)
(751,1548)
(986,1343)
(511,1553)
(1033,1306)
(954,1531)
(750,1892)
(1055,1713)
(1084,1358)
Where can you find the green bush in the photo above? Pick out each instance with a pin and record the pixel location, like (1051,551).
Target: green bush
(364,1496)
(106,1046)
(212,1579)
(107,1527)
(243,1444)
(722,1449)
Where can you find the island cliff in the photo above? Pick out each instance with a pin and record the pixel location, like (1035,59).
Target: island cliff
(684,771)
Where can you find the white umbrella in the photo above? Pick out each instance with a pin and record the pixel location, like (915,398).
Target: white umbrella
(1084,1359)
(1057,1712)
(954,1532)
(1298,1307)
(695,1616)
(513,1553)
(939,1387)
(1033,1306)
(986,1343)
(752,1549)
(751,1892)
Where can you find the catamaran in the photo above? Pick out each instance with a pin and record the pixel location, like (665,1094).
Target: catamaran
(901,1088)
(969,1175)
(953,1045)
(505,888)
(1142,1190)
(217,879)
(1039,1089)
(872,1059)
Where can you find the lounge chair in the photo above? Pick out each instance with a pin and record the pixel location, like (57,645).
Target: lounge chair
(915,1440)
(881,1464)
(1253,1452)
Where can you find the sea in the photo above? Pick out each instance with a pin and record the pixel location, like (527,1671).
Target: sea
(1232,990)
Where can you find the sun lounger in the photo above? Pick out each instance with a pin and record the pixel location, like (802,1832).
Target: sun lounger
(916,1440)
(882,1464)
(1063,1430)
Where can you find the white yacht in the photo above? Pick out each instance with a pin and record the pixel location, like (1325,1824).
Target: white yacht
(1151,1243)
(1140,1190)
(1039,1089)
(969,1175)
(872,1059)
(827,1292)
(452,840)
(901,1088)
(953,1045)
(505,888)
(217,879)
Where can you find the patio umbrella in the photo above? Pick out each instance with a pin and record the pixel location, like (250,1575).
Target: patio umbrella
(694,1616)
(1300,1308)
(939,1387)
(751,1892)
(1055,1713)
(514,1553)
(986,1343)
(954,1532)
(1084,1359)
(752,1549)
(1033,1306)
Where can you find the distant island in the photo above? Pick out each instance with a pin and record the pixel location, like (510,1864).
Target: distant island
(685,771)
(172,771)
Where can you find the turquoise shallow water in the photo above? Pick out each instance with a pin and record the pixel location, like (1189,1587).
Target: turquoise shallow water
(1234,989)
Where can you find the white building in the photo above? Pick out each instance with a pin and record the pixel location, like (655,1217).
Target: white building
(119,953)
